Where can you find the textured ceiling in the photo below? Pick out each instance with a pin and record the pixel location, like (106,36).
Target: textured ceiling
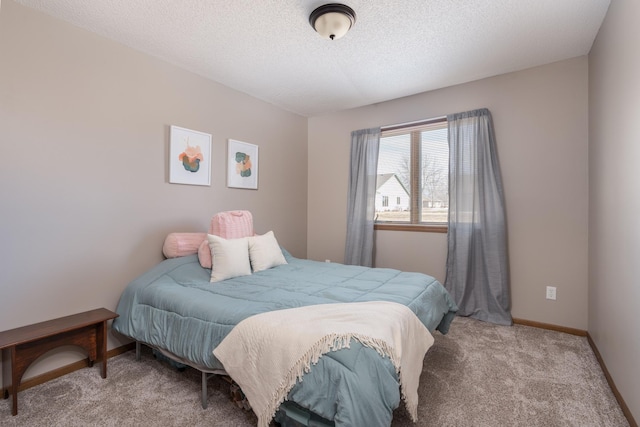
(266,48)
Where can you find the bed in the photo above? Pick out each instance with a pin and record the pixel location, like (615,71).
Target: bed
(175,308)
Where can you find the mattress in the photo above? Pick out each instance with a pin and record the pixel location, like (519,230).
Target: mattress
(173,306)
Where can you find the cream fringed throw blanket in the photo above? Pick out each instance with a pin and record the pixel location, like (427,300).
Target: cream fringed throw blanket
(267,353)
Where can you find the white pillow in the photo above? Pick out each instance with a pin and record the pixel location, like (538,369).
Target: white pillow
(264,252)
(230,258)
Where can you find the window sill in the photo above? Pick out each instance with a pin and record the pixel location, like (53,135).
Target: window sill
(440,228)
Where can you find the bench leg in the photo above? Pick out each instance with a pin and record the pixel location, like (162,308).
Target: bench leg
(15,382)
(101,346)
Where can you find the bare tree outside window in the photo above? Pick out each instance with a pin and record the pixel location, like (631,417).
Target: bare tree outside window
(435,194)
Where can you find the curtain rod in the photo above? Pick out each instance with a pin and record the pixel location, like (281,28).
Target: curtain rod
(416,123)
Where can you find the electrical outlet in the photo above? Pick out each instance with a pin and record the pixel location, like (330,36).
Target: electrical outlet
(551,292)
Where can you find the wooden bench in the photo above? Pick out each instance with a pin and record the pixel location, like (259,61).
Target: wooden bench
(22,346)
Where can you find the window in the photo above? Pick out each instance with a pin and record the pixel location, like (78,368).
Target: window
(413,169)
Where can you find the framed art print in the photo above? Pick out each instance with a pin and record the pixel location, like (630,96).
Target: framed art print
(189,157)
(242,165)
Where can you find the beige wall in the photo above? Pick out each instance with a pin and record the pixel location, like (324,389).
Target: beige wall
(614,197)
(86,202)
(540,118)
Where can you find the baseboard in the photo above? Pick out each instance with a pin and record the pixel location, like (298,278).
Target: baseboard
(540,325)
(67,369)
(579,332)
(625,409)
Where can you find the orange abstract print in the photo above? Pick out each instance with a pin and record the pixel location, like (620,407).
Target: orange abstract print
(191,158)
(243,164)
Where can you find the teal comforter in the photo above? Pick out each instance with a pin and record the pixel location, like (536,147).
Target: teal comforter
(174,306)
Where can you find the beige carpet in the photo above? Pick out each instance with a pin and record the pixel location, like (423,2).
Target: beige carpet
(477,375)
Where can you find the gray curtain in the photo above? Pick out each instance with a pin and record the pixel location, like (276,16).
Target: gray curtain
(361,196)
(477,262)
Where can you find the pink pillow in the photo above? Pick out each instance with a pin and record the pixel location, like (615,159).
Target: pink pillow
(232,224)
(182,244)
(228,225)
(204,254)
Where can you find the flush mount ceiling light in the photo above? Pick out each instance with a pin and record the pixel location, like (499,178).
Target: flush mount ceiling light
(333,20)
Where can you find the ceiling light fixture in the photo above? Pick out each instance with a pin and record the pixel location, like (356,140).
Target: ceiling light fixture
(333,20)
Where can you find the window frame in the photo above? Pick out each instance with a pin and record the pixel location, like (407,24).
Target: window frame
(416,209)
